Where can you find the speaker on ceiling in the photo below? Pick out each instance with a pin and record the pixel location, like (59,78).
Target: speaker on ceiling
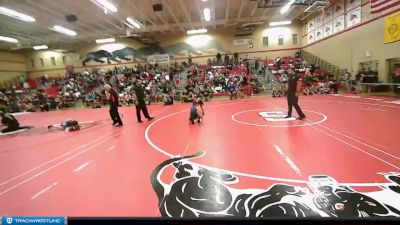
(71,18)
(157,7)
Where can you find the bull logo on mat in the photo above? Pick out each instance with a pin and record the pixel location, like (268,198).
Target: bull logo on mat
(195,191)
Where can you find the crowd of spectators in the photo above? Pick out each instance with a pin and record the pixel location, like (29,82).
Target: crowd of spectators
(315,80)
(162,84)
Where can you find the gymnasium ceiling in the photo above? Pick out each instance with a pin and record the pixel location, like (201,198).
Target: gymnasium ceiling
(92,23)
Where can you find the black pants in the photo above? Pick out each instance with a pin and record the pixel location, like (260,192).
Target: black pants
(14,128)
(142,107)
(115,115)
(293,102)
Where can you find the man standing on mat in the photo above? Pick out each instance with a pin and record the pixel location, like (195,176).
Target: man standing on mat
(293,92)
(113,97)
(140,103)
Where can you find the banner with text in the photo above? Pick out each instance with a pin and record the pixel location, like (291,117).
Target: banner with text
(153,59)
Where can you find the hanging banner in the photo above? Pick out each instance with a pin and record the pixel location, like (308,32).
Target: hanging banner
(328,29)
(338,9)
(338,24)
(153,59)
(351,4)
(328,14)
(392,28)
(319,33)
(353,17)
(319,21)
(311,37)
(311,25)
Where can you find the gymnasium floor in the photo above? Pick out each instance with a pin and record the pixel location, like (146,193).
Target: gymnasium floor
(342,161)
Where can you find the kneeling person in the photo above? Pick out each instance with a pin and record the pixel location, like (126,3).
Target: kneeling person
(196,113)
(10,122)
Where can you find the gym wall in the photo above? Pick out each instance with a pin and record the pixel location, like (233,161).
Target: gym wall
(207,44)
(12,65)
(361,43)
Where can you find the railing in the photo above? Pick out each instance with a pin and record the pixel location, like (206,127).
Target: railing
(323,64)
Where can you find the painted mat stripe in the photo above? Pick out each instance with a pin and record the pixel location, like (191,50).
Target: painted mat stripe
(81,167)
(351,145)
(111,148)
(57,164)
(44,191)
(254,175)
(361,142)
(288,160)
(58,157)
(373,109)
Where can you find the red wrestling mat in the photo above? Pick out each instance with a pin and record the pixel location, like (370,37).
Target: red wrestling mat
(244,160)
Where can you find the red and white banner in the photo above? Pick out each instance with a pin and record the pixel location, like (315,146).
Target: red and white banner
(353,17)
(378,6)
(311,37)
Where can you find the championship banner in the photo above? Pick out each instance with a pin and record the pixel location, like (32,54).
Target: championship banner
(338,24)
(319,21)
(311,37)
(338,9)
(353,17)
(392,28)
(328,14)
(319,33)
(328,29)
(153,59)
(311,26)
(351,4)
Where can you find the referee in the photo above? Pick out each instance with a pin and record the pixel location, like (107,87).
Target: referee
(140,103)
(293,92)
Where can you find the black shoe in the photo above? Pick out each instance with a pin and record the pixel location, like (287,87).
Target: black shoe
(301,118)
(287,117)
(150,118)
(140,121)
(119,125)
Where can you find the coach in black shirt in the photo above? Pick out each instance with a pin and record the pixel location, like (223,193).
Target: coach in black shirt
(113,97)
(293,92)
(140,103)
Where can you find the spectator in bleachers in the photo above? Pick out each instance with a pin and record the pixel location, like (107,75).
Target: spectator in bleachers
(396,76)
(346,80)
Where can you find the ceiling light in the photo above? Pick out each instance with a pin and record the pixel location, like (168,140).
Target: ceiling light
(199,31)
(280,23)
(64,30)
(286,7)
(40,47)
(16,15)
(203,0)
(105,40)
(134,22)
(207,14)
(8,39)
(106,5)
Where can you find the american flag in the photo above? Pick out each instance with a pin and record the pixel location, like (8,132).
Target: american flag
(378,6)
